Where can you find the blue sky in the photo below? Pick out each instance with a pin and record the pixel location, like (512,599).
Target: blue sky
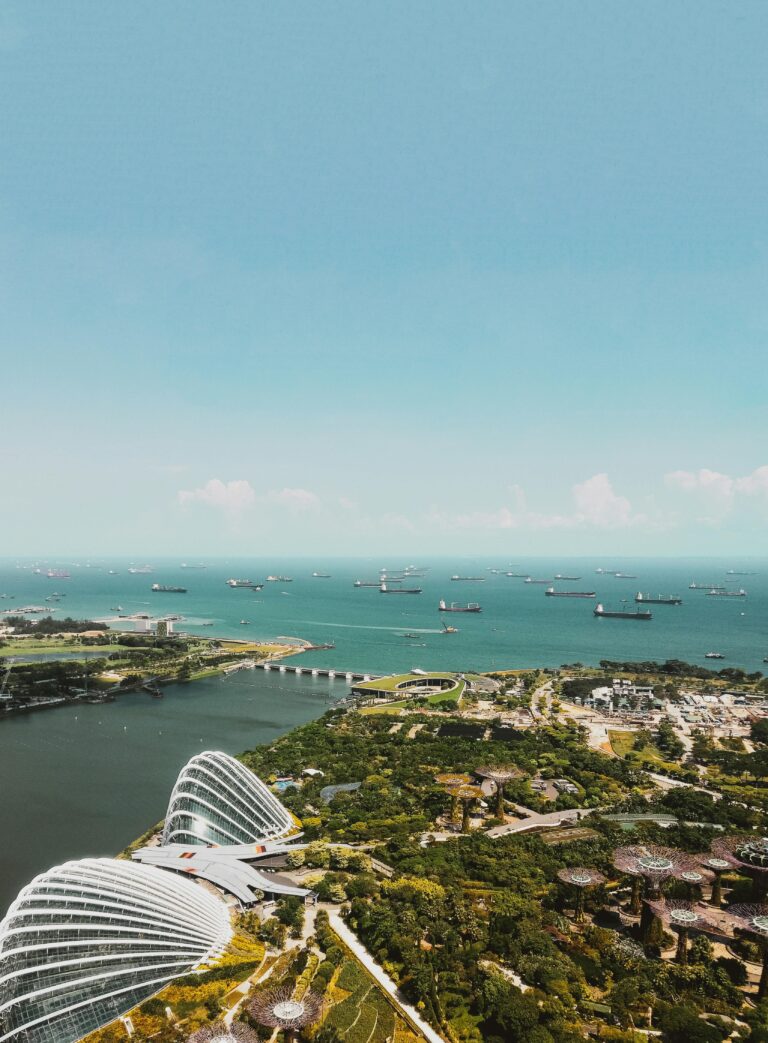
(410,277)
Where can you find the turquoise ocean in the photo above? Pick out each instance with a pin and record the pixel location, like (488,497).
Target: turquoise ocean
(518,626)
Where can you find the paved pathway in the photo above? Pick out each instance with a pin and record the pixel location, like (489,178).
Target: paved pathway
(351,940)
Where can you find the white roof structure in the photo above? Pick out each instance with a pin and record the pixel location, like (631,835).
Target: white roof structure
(88,940)
(217,800)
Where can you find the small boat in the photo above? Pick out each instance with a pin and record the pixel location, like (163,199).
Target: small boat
(116,608)
(714,655)
(450,630)
(413,637)
(244,622)
(239,583)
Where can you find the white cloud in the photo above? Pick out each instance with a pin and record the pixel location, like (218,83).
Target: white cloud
(295,499)
(717,494)
(597,504)
(231,497)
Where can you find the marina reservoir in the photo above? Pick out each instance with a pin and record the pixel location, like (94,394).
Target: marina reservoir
(88,780)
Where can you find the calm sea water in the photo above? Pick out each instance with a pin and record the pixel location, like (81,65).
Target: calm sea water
(88,779)
(518,626)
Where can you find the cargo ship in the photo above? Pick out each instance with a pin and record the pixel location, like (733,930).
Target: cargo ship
(468,579)
(719,593)
(239,583)
(454,607)
(558,576)
(141,570)
(367,583)
(279,579)
(550,592)
(159,588)
(57,574)
(321,575)
(517,575)
(659,599)
(704,586)
(384,589)
(637,614)
(529,580)
(624,575)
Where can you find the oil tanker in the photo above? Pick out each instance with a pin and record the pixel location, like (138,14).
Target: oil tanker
(659,599)
(639,613)
(453,607)
(159,588)
(552,593)
(384,589)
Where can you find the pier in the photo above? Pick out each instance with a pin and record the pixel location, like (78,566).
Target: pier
(316,671)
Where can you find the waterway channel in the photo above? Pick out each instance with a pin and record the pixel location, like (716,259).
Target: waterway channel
(86,780)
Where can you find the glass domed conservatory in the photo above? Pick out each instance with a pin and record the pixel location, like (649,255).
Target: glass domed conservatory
(88,940)
(217,800)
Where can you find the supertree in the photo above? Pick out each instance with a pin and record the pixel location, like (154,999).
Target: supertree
(276,1008)
(451,781)
(652,865)
(753,919)
(221,1033)
(693,879)
(581,879)
(500,776)
(716,866)
(682,917)
(467,794)
(748,854)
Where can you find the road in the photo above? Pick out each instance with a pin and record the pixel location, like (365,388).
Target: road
(410,1013)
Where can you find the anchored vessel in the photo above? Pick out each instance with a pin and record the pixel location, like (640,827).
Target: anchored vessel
(240,583)
(469,579)
(453,607)
(704,586)
(659,599)
(637,614)
(529,580)
(550,592)
(384,589)
(141,570)
(727,593)
(159,588)
(559,576)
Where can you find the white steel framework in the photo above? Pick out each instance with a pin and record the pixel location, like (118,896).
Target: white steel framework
(218,801)
(88,940)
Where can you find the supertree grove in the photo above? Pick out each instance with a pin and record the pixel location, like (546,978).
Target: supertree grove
(500,776)
(652,865)
(753,919)
(581,880)
(748,854)
(276,1008)
(682,917)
